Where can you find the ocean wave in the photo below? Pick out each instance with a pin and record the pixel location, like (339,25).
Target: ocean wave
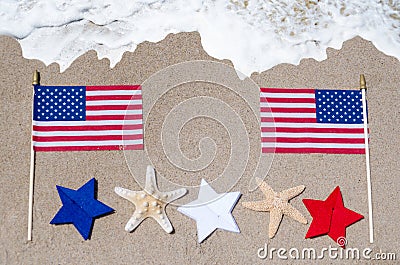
(254,34)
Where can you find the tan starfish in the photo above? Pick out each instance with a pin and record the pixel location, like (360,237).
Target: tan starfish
(277,203)
(150,202)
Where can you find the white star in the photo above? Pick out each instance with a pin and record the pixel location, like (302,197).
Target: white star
(211,211)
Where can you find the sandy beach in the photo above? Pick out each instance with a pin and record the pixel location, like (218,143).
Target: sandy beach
(110,244)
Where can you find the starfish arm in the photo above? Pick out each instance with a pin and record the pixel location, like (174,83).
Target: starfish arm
(173,195)
(259,206)
(292,192)
(134,222)
(163,221)
(264,187)
(127,194)
(151,183)
(292,212)
(275,219)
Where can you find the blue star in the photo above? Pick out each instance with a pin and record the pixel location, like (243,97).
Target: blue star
(80,208)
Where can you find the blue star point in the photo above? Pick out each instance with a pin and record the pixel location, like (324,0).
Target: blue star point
(80,207)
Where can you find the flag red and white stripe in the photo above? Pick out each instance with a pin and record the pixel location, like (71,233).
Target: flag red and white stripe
(113,122)
(289,125)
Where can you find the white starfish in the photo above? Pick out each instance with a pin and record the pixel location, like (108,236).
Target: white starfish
(150,202)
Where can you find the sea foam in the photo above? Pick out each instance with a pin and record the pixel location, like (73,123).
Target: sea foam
(254,34)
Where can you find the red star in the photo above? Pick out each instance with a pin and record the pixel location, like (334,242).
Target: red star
(330,217)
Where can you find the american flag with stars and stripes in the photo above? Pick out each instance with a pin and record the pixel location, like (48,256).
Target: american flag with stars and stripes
(83,118)
(311,121)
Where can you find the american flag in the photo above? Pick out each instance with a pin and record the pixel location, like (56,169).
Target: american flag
(83,118)
(311,121)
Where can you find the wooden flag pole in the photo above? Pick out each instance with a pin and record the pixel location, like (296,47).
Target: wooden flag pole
(36,81)
(363,87)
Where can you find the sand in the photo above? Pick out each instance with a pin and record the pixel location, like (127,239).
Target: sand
(110,244)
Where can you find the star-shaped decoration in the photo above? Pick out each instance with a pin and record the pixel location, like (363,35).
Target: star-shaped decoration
(211,211)
(330,217)
(277,203)
(150,202)
(80,208)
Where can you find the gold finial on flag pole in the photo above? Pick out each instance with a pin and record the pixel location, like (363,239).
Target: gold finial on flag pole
(36,78)
(363,84)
